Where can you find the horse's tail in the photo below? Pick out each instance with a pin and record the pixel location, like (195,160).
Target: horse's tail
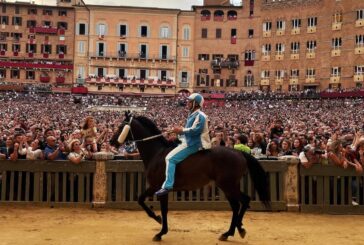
(259,178)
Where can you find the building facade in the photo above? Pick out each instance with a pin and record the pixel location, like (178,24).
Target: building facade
(36,43)
(284,45)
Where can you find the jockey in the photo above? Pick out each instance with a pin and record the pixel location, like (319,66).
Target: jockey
(196,137)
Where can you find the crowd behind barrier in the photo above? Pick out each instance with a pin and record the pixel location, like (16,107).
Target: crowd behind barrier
(52,126)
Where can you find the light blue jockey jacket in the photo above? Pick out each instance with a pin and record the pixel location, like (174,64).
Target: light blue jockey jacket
(196,130)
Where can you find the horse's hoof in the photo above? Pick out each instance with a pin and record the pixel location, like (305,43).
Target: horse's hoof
(158,219)
(242,233)
(157,238)
(223,237)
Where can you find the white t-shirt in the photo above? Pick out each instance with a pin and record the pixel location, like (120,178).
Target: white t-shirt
(33,155)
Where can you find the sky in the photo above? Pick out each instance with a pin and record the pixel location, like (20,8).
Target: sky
(175,4)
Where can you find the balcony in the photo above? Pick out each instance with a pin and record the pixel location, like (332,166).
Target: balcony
(295,56)
(267,33)
(15,53)
(233,40)
(31,65)
(358,77)
(183,84)
(279,81)
(2,53)
(296,31)
(61,56)
(60,79)
(43,30)
(61,31)
(335,79)
(336,26)
(205,18)
(218,18)
(279,56)
(359,49)
(359,23)
(335,52)
(280,32)
(264,82)
(45,79)
(310,54)
(80,81)
(266,56)
(293,81)
(311,29)
(310,79)
(231,64)
(249,62)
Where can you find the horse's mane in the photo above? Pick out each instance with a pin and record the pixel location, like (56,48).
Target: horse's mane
(153,129)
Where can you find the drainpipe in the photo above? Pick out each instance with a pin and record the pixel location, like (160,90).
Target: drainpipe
(175,65)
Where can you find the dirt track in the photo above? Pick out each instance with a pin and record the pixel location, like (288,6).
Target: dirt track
(35,225)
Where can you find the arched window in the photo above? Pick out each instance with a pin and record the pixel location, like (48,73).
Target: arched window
(205,15)
(232,15)
(218,15)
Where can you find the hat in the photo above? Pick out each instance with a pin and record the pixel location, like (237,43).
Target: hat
(196,97)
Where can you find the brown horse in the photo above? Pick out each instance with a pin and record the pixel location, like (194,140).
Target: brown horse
(223,165)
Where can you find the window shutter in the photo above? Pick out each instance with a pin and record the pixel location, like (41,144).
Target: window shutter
(147,52)
(97,48)
(139,31)
(98,29)
(78,29)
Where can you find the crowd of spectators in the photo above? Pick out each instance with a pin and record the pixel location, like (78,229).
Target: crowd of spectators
(52,126)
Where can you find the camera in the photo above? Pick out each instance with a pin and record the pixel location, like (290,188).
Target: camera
(318,151)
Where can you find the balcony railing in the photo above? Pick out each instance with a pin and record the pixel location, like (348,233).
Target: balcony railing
(61,56)
(30,65)
(233,40)
(205,17)
(249,62)
(45,79)
(218,18)
(232,17)
(134,56)
(131,82)
(44,30)
(60,79)
(231,64)
(15,53)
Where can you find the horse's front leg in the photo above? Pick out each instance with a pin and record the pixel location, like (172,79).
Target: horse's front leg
(141,200)
(164,210)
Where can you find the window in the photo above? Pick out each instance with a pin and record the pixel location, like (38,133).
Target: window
(296,23)
(267,26)
(30,75)
(4,20)
(81,29)
(16,48)
(185,52)
(249,80)
(122,73)
(250,33)
(336,43)
(218,33)
(360,14)
(62,13)
(122,50)
(280,48)
(101,29)
(251,8)
(100,49)
(164,32)
(295,73)
(359,40)
(122,30)
(266,49)
(338,17)
(144,31)
(143,53)
(250,55)
(46,49)
(312,22)
(61,49)
(81,72)
(143,74)
(31,48)
(265,74)
(15,74)
(279,74)
(17,21)
(233,33)
(203,33)
(184,77)
(2,73)
(47,23)
(163,76)
(295,47)
(310,72)
(3,9)
(359,70)
(281,25)
(203,57)
(100,72)
(17,10)
(81,47)
(335,71)
(32,11)
(62,25)
(3,47)
(186,33)
(31,23)
(47,12)
(311,46)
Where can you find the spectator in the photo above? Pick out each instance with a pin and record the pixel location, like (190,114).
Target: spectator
(53,151)
(241,144)
(33,151)
(77,154)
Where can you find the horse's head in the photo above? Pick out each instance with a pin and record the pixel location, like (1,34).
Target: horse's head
(123,132)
